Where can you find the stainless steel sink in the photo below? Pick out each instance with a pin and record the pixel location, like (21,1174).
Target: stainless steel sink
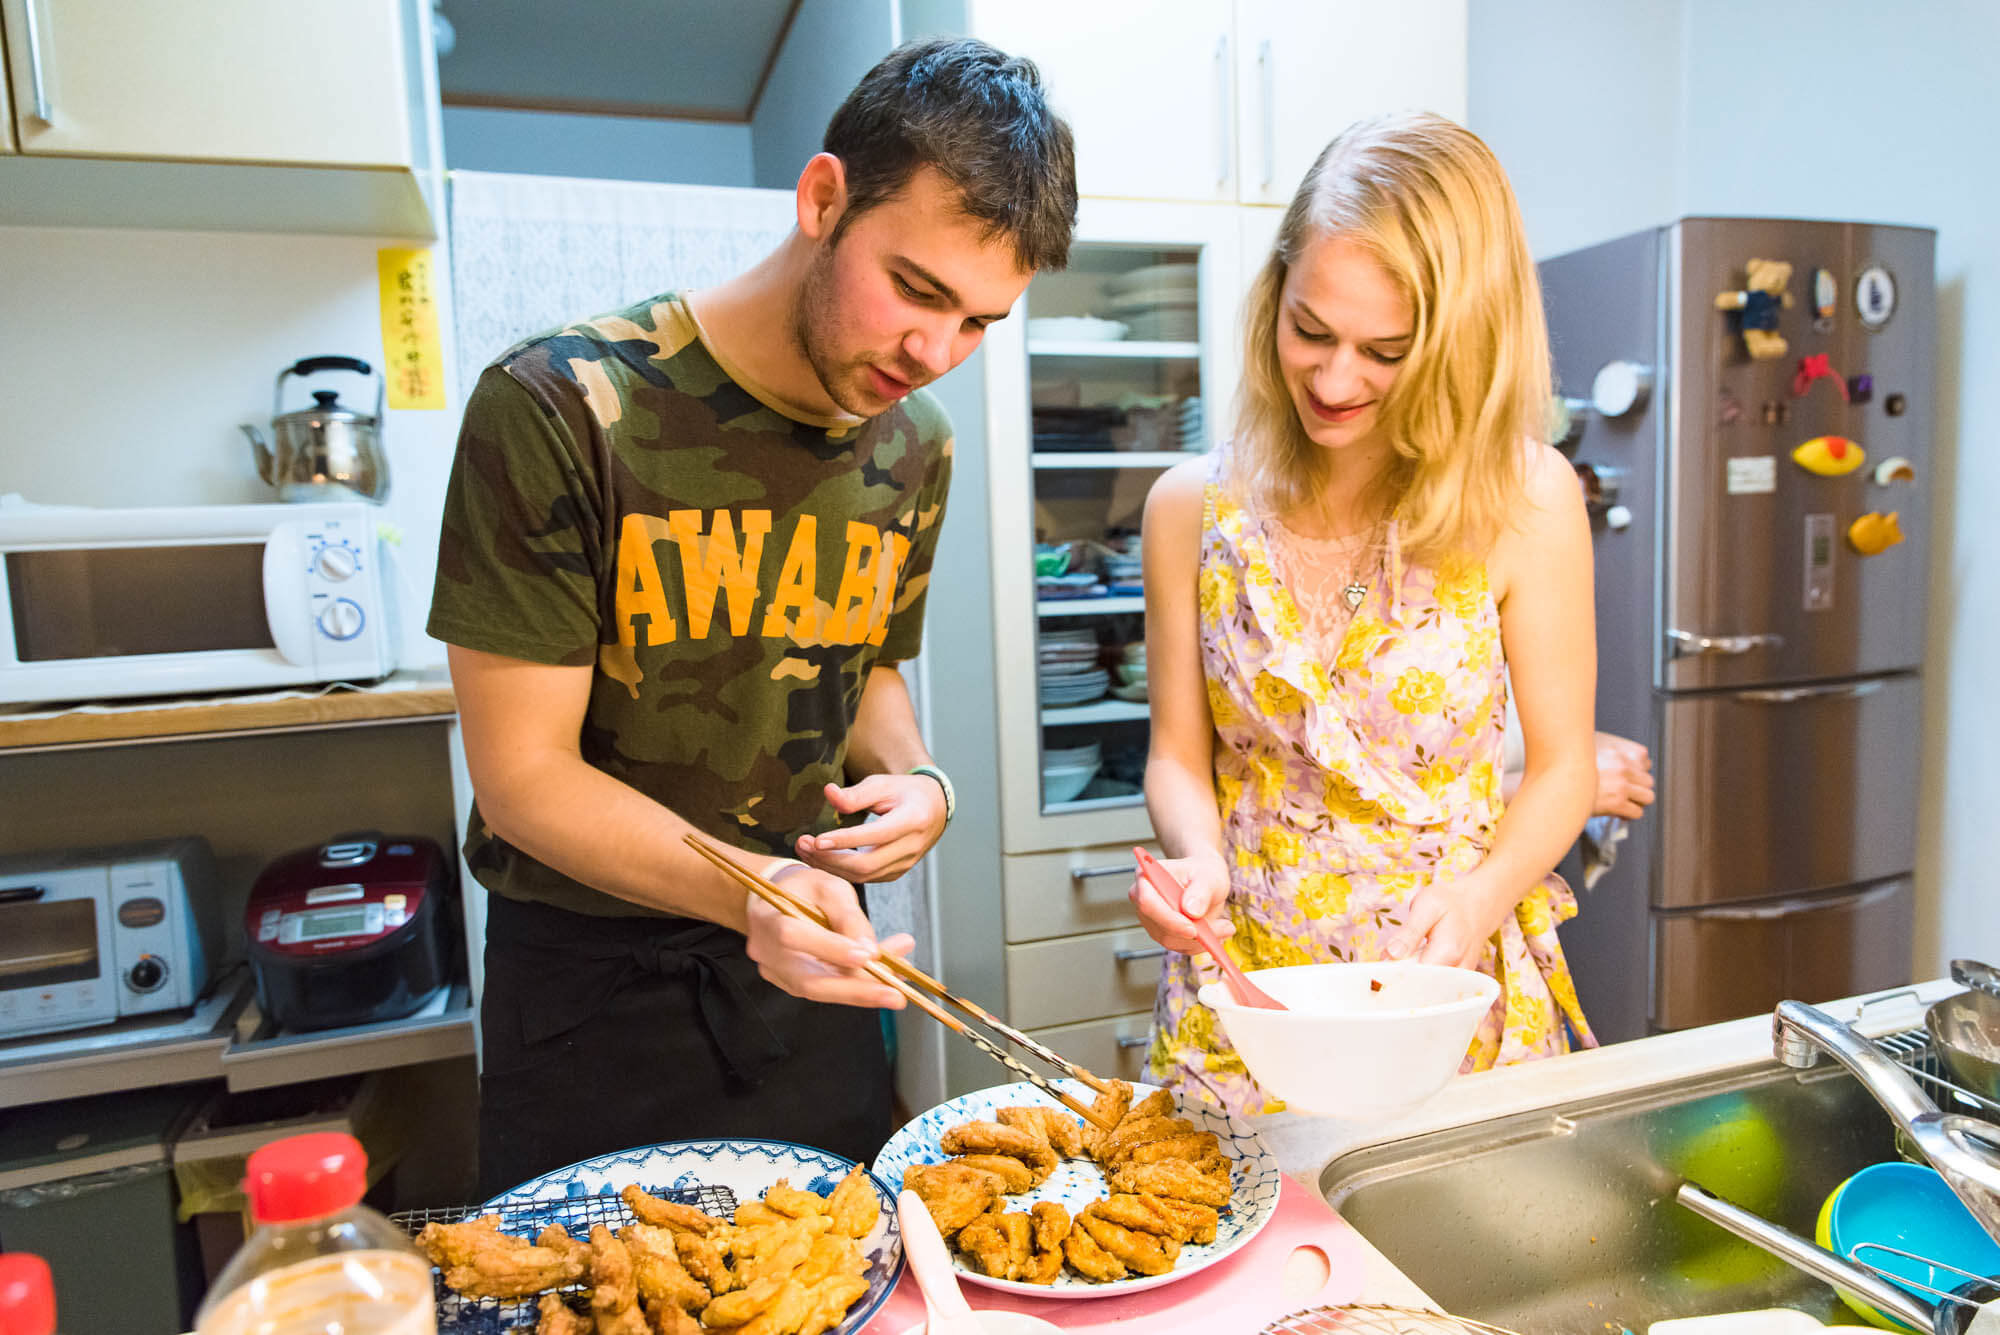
(1562,1222)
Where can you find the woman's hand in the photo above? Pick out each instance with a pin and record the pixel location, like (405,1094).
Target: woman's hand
(1450,921)
(821,963)
(1624,777)
(1205,878)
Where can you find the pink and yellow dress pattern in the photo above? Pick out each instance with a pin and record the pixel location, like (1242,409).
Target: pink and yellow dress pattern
(1347,779)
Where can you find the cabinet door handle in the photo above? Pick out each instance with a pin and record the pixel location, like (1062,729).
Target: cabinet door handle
(44,105)
(1129,956)
(1126,1042)
(1092,873)
(1224,150)
(1270,99)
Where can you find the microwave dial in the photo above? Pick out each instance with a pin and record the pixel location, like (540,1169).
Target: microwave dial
(147,974)
(341,619)
(336,562)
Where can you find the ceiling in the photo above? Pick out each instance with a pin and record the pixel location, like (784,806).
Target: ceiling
(684,59)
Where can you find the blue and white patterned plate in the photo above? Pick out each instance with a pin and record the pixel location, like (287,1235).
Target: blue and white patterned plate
(1253,1173)
(743,1168)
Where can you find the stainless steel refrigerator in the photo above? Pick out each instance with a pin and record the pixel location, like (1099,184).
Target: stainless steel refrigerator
(1753,628)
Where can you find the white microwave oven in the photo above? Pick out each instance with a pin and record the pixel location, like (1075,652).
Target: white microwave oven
(100,603)
(93,935)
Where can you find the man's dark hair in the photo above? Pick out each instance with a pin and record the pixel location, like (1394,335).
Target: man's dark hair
(976,115)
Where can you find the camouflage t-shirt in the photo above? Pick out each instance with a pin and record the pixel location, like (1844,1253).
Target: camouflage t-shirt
(622,498)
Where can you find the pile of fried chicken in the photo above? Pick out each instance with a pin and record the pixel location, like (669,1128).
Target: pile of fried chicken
(1167,1184)
(787,1265)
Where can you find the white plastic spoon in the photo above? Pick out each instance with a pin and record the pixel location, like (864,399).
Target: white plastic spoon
(945,1308)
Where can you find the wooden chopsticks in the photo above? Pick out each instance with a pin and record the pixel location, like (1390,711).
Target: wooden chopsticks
(912,982)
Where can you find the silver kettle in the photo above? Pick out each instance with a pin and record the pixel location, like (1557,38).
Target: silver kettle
(327,451)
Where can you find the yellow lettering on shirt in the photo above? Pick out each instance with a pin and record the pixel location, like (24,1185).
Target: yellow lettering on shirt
(640,590)
(887,572)
(797,581)
(851,606)
(719,563)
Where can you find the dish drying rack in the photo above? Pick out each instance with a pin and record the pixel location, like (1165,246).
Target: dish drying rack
(458,1315)
(1911,1049)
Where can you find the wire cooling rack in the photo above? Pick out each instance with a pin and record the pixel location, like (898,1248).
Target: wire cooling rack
(493,1316)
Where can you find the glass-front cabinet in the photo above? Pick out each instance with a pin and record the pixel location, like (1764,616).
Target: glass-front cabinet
(1112,371)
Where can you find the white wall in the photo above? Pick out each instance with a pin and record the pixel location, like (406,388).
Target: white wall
(1615,117)
(128,356)
(832,43)
(614,148)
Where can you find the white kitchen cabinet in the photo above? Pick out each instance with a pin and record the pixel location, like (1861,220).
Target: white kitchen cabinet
(1258,229)
(1305,72)
(1226,100)
(219,112)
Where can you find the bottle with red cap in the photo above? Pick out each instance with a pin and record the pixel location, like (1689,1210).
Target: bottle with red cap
(27,1295)
(320,1262)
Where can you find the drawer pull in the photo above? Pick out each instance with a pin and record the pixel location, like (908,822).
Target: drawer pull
(1128,956)
(1126,1042)
(1092,873)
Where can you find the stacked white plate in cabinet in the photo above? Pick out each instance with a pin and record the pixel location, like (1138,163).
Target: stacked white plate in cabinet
(1068,653)
(1074,688)
(1159,301)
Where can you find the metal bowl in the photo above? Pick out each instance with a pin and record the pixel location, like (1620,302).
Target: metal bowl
(1965,1031)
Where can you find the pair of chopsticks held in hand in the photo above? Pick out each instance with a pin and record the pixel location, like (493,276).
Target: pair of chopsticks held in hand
(897,972)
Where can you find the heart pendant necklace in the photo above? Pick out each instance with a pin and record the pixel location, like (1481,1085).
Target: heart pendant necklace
(1354,593)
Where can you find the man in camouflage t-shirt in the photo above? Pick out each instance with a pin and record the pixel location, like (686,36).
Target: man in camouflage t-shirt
(684,547)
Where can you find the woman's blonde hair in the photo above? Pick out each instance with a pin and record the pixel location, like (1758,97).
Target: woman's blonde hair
(1428,200)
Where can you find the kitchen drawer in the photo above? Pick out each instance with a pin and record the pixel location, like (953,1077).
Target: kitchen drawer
(1081,978)
(1113,1048)
(1060,894)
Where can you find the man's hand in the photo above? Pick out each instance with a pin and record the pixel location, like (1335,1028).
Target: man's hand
(820,963)
(1205,893)
(909,817)
(1624,778)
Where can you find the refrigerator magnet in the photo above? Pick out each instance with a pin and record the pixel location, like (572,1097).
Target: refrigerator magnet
(1875,296)
(1829,456)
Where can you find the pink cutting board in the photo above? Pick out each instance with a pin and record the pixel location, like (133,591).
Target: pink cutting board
(1241,1293)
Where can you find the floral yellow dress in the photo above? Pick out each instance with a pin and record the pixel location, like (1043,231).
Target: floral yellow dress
(1346,781)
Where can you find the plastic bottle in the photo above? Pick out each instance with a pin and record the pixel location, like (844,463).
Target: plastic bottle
(27,1295)
(320,1262)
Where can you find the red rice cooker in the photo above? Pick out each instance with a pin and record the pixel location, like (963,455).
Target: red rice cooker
(351,931)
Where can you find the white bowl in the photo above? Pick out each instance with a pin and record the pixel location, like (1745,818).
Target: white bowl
(1079,328)
(1064,783)
(1345,1048)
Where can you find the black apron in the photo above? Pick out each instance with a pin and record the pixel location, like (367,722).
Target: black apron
(602,1034)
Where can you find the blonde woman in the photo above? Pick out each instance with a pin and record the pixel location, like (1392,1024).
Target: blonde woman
(1335,598)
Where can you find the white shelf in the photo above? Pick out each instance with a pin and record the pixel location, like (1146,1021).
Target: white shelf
(1097,711)
(1112,458)
(1043,347)
(1083,607)
(1094,804)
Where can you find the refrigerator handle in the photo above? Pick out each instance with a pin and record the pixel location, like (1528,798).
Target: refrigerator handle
(1687,644)
(1785,908)
(1791,695)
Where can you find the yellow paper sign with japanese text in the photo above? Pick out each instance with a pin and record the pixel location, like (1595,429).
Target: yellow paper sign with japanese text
(414,359)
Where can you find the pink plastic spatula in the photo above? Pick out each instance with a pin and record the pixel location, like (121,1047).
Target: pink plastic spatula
(1245,992)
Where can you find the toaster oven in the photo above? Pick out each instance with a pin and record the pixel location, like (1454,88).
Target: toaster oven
(92,935)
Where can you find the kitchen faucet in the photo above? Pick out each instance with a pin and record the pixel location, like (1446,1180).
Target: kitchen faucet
(1959,1147)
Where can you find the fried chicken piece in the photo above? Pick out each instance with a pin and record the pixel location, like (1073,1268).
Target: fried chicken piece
(557,1239)
(780,1197)
(955,1194)
(558,1319)
(776,1250)
(750,1214)
(1146,1253)
(650,1209)
(514,1272)
(1052,1224)
(996,1138)
(1090,1260)
(457,1244)
(733,1309)
(1015,1176)
(985,1244)
(785,1314)
(831,1298)
(702,1258)
(1175,1179)
(854,1205)
(832,1256)
(1198,1221)
(1159,1103)
(1062,1131)
(1190,1146)
(1111,1107)
(673,1321)
(663,1283)
(1136,1131)
(613,1287)
(625,1321)
(1141,1214)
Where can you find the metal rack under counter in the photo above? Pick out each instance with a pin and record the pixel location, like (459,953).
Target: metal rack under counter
(225,1038)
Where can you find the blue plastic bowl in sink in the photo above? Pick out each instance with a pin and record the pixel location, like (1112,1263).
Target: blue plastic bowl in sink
(1909,1207)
